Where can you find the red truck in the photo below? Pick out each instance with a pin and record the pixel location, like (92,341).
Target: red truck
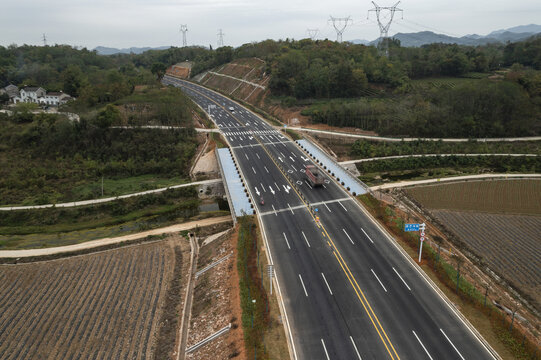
(314,176)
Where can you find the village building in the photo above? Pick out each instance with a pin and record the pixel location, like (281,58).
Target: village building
(39,96)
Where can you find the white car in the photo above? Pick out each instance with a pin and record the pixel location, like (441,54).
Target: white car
(231,108)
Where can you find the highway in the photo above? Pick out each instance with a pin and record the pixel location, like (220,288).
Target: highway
(348,290)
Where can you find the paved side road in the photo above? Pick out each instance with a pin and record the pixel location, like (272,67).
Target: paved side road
(115,240)
(383,138)
(453,178)
(104,200)
(427,155)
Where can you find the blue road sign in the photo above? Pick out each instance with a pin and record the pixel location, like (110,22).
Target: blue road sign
(411,227)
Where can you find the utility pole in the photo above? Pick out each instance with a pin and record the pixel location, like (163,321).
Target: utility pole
(220,38)
(340,25)
(384,28)
(312,33)
(184,30)
(44,39)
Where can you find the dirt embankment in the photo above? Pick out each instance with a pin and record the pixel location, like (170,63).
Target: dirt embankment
(216,302)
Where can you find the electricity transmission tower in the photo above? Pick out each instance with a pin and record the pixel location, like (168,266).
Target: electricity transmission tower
(184,30)
(220,38)
(44,39)
(340,25)
(312,33)
(384,28)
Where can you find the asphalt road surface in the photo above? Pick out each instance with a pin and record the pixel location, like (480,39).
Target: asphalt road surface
(348,291)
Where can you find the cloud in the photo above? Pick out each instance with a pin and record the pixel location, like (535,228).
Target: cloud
(124,23)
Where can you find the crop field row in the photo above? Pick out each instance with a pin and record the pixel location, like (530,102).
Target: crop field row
(103,305)
(509,244)
(498,196)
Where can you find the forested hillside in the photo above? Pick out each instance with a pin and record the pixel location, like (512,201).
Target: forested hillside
(47,158)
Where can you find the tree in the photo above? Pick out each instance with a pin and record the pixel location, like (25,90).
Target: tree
(108,116)
(158,69)
(73,80)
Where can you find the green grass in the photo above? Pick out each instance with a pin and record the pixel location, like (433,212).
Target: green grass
(440,82)
(52,239)
(294,135)
(122,186)
(377,178)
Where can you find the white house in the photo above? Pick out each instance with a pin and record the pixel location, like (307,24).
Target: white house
(30,95)
(54,98)
(39,96)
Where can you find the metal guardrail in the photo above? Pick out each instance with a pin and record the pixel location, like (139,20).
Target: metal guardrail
(227,193)
(208,339)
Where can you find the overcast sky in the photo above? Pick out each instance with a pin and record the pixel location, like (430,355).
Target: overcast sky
(127,23)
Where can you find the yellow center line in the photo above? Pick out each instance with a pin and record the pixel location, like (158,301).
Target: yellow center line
(363,304)
(342,262)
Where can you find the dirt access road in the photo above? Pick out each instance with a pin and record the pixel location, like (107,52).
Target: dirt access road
(115,240)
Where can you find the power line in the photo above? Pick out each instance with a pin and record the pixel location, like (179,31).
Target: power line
(312,33)
(340,25)
(184,30)
(220,38)
(384,28)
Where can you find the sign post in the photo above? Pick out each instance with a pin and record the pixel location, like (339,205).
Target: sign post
(417,227)
(422,229)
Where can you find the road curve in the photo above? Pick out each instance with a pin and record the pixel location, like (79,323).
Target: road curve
(348,290)
(391,139)
(455,179)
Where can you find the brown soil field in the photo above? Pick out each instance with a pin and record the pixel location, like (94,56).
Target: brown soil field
(509,244)
(517,196)
(499,221)
(102,305)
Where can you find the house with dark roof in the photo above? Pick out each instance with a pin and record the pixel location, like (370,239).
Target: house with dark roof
(54,98)
(30,95)
(12,91)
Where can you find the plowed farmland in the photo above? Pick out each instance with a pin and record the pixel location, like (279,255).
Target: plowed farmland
(499,221)
(515,196)
(106,305)
(509,244)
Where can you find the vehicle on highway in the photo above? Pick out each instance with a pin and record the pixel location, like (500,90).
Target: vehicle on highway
(314,176)
(231,108)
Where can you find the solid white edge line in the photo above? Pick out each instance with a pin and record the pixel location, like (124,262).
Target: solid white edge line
(419,340)
(291,342)
(476,334)
(344,230)
(285,237)
(453,345)
(401,279)
(328,287)
(378,280)
(305,239)
(355,347)
(365,234)
(302,283)
(325,348)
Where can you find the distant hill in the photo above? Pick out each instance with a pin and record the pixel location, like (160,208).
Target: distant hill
(532,28)
(102,50)
(513,34)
